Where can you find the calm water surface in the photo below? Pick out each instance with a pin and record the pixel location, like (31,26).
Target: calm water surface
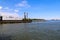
(30,31)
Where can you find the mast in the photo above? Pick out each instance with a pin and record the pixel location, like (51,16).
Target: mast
(27,15)
(24,15)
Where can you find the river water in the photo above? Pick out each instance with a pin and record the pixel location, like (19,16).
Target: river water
(30,31)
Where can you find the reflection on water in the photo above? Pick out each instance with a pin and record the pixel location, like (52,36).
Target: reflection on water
(30,31)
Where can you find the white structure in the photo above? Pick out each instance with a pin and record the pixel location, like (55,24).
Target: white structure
(10,16)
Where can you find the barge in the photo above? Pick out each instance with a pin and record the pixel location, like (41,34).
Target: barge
(13,19)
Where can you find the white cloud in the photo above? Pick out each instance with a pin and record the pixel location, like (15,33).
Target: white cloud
(16,10)
(6,16)
(1,7)
(7,9)
(23,4)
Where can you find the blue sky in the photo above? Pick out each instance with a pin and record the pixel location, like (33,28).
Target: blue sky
(44,9)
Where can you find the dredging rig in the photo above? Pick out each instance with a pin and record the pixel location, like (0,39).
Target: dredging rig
(24,20)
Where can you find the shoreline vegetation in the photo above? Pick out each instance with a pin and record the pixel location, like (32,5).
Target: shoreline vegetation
(38,20)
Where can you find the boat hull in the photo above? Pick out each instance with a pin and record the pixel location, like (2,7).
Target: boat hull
(15,21)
